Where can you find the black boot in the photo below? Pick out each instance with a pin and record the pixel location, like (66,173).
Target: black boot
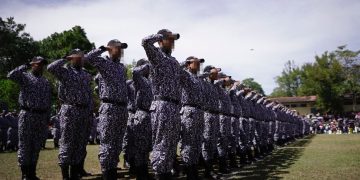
(74,172)
(233,162)
(250,155)
(243,161)
(142,172)
(32,172)
(209,171)
(223,166)
(25,172)
(56,144)
(110,174)
(190,173)
(65,172)
(82,171)
(165,176)
(175,172)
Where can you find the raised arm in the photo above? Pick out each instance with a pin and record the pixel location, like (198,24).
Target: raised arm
(57,68)
(138,72)
(95,59)
(17,74)
(151,51)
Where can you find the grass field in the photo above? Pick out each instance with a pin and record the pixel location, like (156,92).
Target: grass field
(317,157)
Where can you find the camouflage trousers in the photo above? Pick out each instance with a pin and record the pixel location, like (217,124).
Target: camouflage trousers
(112,126)
(74,122)
(32,131)
(165,122)
(192,127)
(210,135)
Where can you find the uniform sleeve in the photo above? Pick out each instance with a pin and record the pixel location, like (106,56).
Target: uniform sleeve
(152,52)
(95,59)
(17,74)
(138,72)
(57,69)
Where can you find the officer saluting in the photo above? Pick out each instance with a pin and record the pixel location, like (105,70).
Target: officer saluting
(113,109)
(165,78)
(142,120)
(192,117)
(34,113)
(211,119)
(75,96)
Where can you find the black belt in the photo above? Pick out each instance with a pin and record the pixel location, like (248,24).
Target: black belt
(225,114)
(143,109)
(77,105)
(162,98)
(211,111)
(235,116)
(114,102)
(39,111)
(193,105)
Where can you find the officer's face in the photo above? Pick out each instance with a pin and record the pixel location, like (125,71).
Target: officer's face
(115,52)
(213,74)
(227,81)
(77,61)
(167,44)
(194,65)
(37,67)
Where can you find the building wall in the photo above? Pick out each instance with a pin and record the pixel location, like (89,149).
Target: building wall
(303,108)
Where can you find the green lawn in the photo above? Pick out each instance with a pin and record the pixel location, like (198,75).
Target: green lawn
(318,157)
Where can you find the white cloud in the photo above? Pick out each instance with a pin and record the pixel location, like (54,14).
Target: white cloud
(223,32)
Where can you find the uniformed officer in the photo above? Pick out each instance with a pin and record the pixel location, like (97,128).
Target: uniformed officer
(113,109)
(234,141)
(129,134)
(12,133)
(55,129)
(142,119)
(35,102)
(245,142)
(211,119)
(4,125)
(165,117)
(192,117)
(74,93)
(224,121)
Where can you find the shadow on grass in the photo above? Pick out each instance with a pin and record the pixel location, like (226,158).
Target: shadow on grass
(273,165)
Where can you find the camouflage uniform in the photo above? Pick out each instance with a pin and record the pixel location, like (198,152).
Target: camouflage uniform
(75,95)
(55,131)
(165,118)
(142,119)
(128,142)
(113,109)
(224,120)
(192,119)
(34,100)
(211,120)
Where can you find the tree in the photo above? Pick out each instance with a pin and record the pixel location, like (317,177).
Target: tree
(351,65)
(9,93)
(289,81)
(59,44)
(16,46)
(251,83)
(324,78)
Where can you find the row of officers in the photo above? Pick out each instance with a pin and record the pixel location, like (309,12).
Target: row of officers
(211,116)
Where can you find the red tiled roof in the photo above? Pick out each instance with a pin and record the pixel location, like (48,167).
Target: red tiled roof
(294,99)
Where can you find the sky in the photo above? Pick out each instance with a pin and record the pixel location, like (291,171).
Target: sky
(251,38)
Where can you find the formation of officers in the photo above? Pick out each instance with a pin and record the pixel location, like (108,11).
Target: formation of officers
(213,118)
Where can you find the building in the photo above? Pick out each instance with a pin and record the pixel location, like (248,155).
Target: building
(306,104)
(302,104)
